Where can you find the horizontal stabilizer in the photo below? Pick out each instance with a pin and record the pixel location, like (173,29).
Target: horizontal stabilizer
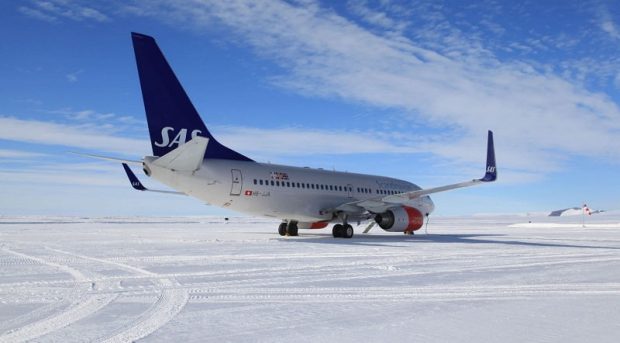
(187,157)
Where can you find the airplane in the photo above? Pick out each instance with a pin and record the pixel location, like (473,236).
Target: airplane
(190,160)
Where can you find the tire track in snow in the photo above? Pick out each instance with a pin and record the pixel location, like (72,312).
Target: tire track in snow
(85,305)
(40,312)
(170,302)
(77,310)
(311,273)
(398,294)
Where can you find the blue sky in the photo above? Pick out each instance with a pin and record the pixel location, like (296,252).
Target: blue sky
(392,88)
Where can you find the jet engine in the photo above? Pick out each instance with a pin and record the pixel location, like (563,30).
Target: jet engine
(400,219)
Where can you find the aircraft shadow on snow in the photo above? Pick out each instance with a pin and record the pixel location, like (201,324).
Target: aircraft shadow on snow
(397,241)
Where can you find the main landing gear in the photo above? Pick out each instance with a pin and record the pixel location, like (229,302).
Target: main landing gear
(343,231)
(288,229)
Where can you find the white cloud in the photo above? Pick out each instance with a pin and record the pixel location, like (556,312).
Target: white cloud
(609,27)
(607,24)
(10,153)
(54,10)
(540,118)
(268,142)
(37,14)
(297,141)
(376,17)
(77,136)
(73,77)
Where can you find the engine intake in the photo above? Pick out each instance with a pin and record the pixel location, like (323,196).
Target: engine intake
(400,219)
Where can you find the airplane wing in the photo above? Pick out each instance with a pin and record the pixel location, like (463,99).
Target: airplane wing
(381,203)
(137,185)
(108,158)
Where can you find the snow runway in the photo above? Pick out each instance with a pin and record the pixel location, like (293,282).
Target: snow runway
(204,280)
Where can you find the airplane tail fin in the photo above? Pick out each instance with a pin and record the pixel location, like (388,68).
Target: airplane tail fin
(171,116)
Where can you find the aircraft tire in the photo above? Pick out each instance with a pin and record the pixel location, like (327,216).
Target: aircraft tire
(347,231)
(282,229)
(337,230)
(292,229)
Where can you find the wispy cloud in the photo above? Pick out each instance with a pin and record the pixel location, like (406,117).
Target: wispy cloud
(304,141)
(10,153)
(75,136)
(540,118)
(85,174)
(434,72)
(73,77)
(54,11)
(37,14)
(607,24)
(264,142)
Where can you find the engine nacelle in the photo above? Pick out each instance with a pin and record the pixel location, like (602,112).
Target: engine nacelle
(400,219)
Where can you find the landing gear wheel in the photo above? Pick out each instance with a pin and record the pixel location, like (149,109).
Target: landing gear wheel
(291,229)
(408,233)
(337,230)
(282,229)
(347,231)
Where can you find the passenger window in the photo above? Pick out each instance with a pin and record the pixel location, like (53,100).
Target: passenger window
(260,182)
(272,183)
(288,184)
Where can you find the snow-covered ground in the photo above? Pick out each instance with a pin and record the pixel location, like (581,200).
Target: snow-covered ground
(473,279)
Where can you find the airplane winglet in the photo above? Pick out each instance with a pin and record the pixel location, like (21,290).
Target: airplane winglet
(491,171)
(135,183)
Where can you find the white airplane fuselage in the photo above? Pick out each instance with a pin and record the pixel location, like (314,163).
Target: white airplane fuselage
(278,191)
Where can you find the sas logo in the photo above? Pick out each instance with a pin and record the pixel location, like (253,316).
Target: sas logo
(490,169)
(180,138)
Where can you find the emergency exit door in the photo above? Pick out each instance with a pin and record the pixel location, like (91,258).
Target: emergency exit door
(237,181)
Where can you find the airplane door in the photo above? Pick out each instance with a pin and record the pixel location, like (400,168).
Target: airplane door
(237,180)
(349,190)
